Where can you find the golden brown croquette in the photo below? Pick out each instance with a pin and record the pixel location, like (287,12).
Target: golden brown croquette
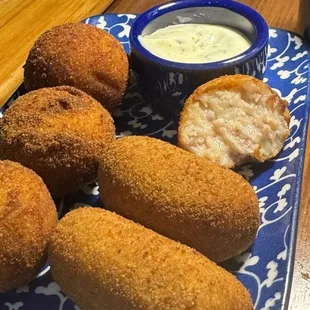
(179,195)
(234,119)
(104,261)
(58,132)
(27,218)
(82,56)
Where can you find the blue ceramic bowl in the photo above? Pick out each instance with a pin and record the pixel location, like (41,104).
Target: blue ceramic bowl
(167,84)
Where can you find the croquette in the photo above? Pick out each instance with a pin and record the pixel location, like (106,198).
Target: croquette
(179,195)
(59,133)
(104,261)
(27,218)
(82,56)
(234,119)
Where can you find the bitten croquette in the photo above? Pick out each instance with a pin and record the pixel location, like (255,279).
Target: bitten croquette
(27,218)
(59,133)
(234,119)
(82,56)
(104,261)
(179,195)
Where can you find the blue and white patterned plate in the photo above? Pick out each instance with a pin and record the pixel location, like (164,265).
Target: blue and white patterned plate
(266,269)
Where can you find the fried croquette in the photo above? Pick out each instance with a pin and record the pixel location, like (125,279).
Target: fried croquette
(104,261)
(27,218)
(58,132)
(234,119)
(82,56)
(179,195)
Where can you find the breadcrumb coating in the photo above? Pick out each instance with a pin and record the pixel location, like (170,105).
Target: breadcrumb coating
(179,195)
(104,261)
(27,218)
(58,132)
(234,119)
(82,56)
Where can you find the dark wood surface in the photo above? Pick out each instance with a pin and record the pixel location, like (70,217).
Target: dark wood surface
(282,14)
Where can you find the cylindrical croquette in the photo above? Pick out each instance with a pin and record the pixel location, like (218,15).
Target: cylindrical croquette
(27,218)
(58,132)
(104,261)
(179,195)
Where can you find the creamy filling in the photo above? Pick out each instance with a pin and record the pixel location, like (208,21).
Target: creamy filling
(227,127)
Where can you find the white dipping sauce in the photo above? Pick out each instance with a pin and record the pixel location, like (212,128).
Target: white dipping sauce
(195,43)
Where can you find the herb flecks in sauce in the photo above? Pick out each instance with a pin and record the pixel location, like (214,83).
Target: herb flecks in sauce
(195,43)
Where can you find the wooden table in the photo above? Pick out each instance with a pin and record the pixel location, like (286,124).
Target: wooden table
(282,14)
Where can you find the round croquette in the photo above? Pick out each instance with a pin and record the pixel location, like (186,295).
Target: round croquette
(104,261)
(179,195)
(82,56)
(27,219)
(59,133)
